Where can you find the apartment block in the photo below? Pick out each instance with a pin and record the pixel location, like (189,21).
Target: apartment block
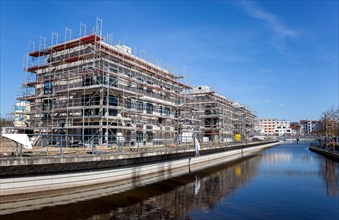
(268,125)
(308,127)
(282,127)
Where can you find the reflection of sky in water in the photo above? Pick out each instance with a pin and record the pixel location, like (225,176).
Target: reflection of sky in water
(290,183)
(290,158)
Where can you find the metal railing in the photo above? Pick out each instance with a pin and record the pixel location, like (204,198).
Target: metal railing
(327,145)
(63,145)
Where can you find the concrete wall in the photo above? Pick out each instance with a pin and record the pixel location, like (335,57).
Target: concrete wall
(141,170)
(331,155)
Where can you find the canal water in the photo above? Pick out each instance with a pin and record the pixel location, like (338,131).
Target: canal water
(284,182)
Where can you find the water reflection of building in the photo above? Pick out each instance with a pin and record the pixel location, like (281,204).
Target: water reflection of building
(200,191)
(330,176)
(170,199)
(276,158)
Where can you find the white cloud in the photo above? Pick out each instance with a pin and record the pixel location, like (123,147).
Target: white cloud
(272,20)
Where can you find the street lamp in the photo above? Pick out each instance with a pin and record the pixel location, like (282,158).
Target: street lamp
(325,128)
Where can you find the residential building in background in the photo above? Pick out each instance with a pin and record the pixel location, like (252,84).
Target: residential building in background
(274,127)
(282,128)
(295,128)
(308,127)
(268,125)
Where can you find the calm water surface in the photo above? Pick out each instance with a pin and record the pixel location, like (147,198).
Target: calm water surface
(284,182)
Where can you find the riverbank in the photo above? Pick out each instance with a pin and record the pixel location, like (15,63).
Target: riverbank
(333,155)
(24,176)
(87,159)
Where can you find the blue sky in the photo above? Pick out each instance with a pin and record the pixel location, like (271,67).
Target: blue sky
(279,58)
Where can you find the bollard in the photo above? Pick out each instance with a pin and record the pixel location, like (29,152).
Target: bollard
(92,145)
(118,144)
(20,151)
(60,146)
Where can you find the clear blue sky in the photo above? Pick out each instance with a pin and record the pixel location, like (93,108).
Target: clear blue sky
(279,58)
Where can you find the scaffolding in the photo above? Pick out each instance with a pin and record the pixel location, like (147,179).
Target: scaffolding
(94,92)
(222,118)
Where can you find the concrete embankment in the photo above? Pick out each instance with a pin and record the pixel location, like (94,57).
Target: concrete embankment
(329,154)
(30,176)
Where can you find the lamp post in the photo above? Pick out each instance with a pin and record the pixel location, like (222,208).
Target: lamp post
(325,128)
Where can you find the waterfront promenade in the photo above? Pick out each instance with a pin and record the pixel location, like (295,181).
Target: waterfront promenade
(13,154)
(27,175)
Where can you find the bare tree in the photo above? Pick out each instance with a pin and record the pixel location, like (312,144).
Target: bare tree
(329,122)
(5,123)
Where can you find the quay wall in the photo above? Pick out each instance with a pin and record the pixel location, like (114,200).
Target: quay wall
(331,155)
(30,178)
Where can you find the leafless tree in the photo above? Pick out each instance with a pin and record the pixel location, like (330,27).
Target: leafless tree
(329,122)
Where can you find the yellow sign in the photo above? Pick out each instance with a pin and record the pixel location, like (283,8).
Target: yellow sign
(237,137)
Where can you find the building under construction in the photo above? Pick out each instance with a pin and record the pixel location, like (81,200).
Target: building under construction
(221,118)
(91,91)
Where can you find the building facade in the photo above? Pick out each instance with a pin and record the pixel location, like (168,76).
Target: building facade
(295,128)
(268,125)
(221,118)
(282,128)
(308,127)
(274,127)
